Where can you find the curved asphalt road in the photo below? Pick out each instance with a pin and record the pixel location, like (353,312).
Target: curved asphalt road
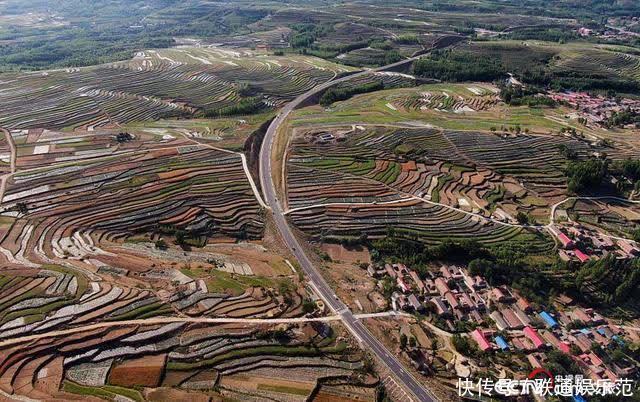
(317,281)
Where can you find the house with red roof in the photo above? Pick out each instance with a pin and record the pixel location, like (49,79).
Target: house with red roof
(442,286)
(581,256)
(481,339)
(533,336)
(512,320)
(524,304)
(628,248)
(453,302)
(534,361)
(563,238)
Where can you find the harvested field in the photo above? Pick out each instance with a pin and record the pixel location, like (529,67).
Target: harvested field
(146,372)
(171,394)
(340,253)
(349,280)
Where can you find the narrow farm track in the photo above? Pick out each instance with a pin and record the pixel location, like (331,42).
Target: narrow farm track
(245,167)
(359,331)
(12,147)
(193,320)
(409,196)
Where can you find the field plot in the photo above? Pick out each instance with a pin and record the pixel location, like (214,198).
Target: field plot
(607,63)
(109,225)
(224,132)
(35,300)
(472,171)
(430,224)
(156,84)
(399,16)
(450,98)
(614,216)
(237,361)
(73,192)
(461,106)
(5,155)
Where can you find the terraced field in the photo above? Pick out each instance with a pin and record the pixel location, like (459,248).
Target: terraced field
(54,297)
(614,216)
(155,84)
(474,99)
(426,160)
(429,224)
(176,360)
(428,182)
(133,221)
(568,59)
(607,61)
(64,209)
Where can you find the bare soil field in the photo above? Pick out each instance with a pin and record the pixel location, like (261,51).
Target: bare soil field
(352,283)
(145,372)
(339,253)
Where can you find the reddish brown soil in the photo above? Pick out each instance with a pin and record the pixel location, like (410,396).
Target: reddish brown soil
(145,371)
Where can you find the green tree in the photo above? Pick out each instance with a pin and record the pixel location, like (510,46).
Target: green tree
(308,306)
(522,218)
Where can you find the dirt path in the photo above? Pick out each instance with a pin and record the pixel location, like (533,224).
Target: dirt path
(245,167)
(14,156)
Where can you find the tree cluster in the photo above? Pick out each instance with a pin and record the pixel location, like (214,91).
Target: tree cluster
(609,281)
(339,94)
(454,66)
(587,175)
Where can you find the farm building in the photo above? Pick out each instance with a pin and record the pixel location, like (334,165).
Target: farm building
(500,322)
(502,344)
(581,256)
(566,242)
(533,336)
(550,321)
(482,341)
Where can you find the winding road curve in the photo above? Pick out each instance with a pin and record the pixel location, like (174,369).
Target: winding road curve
(359,331)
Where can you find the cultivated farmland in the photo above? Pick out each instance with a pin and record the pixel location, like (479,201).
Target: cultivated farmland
(371,163)
(472,171)
(109,208)
(153,362)
(165,83)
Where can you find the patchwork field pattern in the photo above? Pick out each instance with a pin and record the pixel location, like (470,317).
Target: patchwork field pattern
(429,181)
(64,201)
(613,215)
(177,360)
(54,297)
(155,84)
